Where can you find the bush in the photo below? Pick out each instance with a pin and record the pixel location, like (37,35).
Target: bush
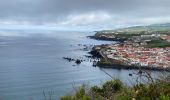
(113,85)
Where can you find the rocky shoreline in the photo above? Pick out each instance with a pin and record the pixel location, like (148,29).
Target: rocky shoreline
(118,66)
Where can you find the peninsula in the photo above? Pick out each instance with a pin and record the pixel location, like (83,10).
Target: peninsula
(140,47)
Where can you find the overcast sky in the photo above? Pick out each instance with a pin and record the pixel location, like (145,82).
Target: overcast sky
(97,14)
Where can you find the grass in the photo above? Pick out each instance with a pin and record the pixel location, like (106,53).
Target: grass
(105,61)
(126,36)
(79,95)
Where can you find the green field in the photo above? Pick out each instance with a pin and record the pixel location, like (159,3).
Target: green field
(158,43)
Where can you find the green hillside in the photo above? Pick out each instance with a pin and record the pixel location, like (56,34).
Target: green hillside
(135,29)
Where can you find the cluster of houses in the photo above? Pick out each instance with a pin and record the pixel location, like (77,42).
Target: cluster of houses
(138,56)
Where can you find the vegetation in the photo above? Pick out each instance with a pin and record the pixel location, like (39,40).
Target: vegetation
(157,42)
(126,36)
(155,89)
(105,61)
(79,95)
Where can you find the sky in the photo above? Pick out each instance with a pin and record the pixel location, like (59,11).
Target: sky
(83,14)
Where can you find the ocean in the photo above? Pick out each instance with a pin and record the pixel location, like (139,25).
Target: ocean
(31,64)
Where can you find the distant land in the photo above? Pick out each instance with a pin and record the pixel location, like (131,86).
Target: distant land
(152,27)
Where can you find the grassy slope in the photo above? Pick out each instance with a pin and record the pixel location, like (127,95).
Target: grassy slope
(151,28)
(164,28)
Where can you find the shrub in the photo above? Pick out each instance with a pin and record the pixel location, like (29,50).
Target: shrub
(79,95)
(113,85)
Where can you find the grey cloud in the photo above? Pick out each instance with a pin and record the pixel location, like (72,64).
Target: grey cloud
(58,11)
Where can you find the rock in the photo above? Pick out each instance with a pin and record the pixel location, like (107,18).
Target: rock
(78,61)
(130,74)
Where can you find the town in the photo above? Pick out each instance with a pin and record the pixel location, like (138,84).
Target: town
(138,51)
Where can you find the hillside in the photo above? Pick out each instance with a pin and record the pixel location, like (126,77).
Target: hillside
(136,29)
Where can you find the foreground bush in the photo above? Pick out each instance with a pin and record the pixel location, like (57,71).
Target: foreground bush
(115,90)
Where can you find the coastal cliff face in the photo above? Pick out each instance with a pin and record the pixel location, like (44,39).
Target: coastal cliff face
(113,36)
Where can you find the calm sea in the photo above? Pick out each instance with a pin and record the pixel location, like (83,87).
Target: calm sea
(31,62)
